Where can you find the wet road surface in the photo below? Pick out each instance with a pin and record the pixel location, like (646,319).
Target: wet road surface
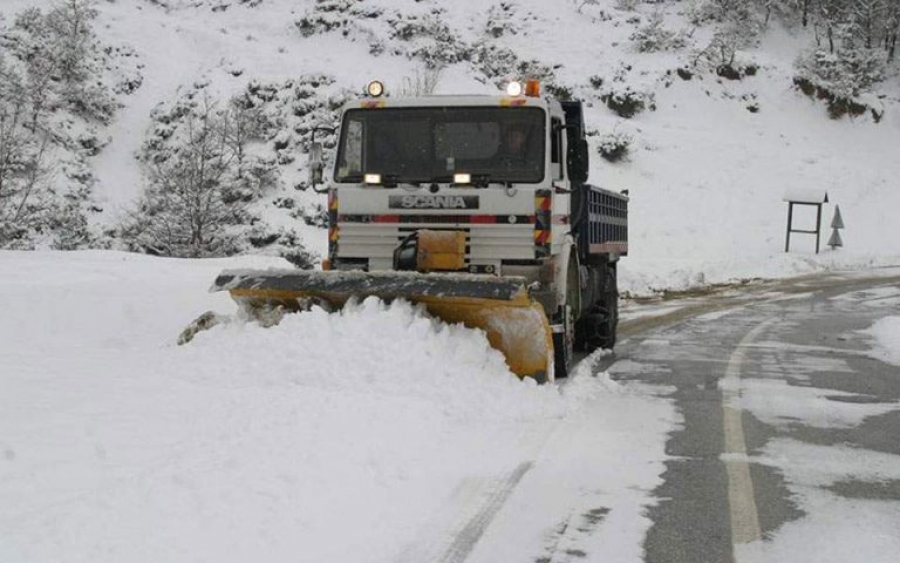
(791,422)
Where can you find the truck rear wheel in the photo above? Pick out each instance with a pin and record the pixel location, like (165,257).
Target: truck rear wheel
(597,328)
(611,304)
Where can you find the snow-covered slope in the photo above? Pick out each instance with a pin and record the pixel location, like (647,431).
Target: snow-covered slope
(705,174)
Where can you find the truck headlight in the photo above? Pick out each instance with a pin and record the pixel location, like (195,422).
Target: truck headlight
(375,89)
(514,88)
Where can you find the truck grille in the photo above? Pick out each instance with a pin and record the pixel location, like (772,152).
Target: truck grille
(484,243)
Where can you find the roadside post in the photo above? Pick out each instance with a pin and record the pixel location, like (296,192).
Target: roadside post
(804,197)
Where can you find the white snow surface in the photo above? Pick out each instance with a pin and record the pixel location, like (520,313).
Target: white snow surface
(356,437)
(777,402)
(886,333)
(836,528)
(359,436)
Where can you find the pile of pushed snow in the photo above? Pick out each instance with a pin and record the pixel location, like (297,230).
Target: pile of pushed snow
(372,348)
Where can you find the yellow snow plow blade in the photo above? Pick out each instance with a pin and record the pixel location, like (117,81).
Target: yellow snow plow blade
(515,324)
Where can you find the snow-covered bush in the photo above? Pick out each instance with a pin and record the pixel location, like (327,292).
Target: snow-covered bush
(281,242)
(427,38)
(627,5)
(213,5)
(334,15)
(743,13)
(313,215)
(845,73)
(614,146)
(500,64)
(840,78)
(503,19)
(654,36)
(627,102)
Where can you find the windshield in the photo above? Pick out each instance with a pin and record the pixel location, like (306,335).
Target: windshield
(431,144)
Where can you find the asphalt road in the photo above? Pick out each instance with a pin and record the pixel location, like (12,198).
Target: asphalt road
(774,382)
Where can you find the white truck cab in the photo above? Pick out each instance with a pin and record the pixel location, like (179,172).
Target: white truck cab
(504,174)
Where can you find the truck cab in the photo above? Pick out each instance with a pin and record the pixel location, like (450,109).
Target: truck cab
(501,179)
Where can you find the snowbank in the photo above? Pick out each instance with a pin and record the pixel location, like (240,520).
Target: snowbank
(327,438)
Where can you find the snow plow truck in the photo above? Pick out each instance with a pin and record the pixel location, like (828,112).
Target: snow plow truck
(476,207)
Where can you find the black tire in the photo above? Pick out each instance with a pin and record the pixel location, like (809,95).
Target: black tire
(597,329)
(609,325)
(610,306)
(562,356)
(563,347)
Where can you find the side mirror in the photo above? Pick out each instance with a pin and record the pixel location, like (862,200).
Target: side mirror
(316,164)
(579,161)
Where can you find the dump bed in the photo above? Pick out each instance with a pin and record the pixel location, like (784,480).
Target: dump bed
(602,222)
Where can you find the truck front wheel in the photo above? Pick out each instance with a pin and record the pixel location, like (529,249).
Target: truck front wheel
(564,342)
(563,345)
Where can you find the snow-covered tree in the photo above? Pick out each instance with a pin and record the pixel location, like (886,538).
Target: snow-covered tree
(244,123)
(29,42)
(70,24)
(188,204)
(891,23)
(62,60)
(23,173)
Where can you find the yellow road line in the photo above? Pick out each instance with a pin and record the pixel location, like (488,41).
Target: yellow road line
(741,498)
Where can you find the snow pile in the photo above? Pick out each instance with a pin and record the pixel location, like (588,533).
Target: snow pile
(886,333)
(371,347)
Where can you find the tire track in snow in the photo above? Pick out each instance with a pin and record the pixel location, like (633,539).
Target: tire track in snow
(463,521)
(466,539)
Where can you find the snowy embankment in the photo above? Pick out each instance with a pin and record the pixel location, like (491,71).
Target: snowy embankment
(343,437)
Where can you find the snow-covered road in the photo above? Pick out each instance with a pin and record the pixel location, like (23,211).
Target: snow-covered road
(790,395)
(381,435)
(374,435)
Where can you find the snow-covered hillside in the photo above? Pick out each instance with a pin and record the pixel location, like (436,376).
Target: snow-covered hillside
(709,158)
